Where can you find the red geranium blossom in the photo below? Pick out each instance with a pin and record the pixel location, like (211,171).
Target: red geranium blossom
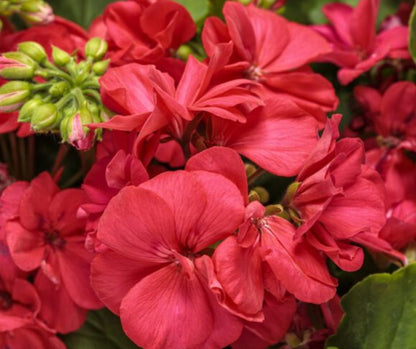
(46,233)
(338,200)
(155,273)
(278,65)
(356,46)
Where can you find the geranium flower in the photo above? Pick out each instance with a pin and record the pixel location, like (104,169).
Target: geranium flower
(156,273)
(337,200)
(46,234)
(278,65)
(356,45)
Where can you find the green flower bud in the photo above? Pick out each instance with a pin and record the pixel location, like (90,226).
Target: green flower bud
(13,94)
(64,128)
(45,118)
(28,109)
(36,12)
(60,57)
(58,89)
(96,48)
(76,133)
(183,52)
(33,50)
(17,66)
(100,67)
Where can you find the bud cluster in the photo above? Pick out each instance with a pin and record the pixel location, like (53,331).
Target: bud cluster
(31,11)
(61,95)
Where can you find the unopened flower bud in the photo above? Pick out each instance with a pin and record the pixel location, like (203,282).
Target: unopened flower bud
(96,48)
(262,193)
(250,169)
(33,50)
(253,196)
(183,52)
(28,109)
(58,89)
(36,12)
(99,68)
(13,94)
(45,118)
(76,133)
(17,66)
(290,192)
(60,57)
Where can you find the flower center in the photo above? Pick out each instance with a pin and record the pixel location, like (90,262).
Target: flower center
(254,73)
(6,300)
(54,239)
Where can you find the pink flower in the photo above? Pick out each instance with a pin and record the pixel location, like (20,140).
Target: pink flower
(156,274)
(46,234)
(356,45)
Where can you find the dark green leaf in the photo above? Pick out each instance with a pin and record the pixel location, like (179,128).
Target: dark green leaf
(380,313)
(102,330)
(79,11)
(412,38)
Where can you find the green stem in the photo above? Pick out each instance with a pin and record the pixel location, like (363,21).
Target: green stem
(64,100)
(38,87)
(93,94)
(59,74)
(79,97)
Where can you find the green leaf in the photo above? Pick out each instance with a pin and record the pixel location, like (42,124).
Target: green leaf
(101,330)
(199,9)
(412,37)
(380,313)
(79,11)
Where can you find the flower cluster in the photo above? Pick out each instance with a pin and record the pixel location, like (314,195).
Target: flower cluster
(176,226)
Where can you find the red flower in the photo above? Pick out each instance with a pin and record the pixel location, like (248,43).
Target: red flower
(277,65)
(277,137)
(156,274)
(46,233)
(338,200)
(19,307)
(392,113)
(356,46)
(263,250)
(144,32)
(152,103)
(113,170)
